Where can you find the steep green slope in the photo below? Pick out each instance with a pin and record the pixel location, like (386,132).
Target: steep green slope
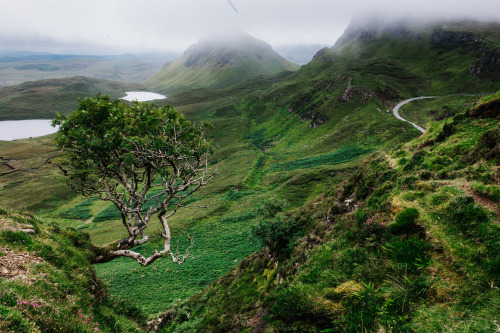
(391,62)
(409,241)
(221,61)
(43,99)
(47,284)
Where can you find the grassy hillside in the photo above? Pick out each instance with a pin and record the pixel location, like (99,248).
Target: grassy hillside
(340,257)
(47,284)
(43,99)
(393,62)
(408,241)
(219,62)
(296,141)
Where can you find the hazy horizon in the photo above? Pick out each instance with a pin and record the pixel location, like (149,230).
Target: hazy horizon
(95,27)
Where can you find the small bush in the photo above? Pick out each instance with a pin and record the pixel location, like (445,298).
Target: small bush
(363,309)
(274,228)
(16,237)
(361,215)
(448,130)
(463,213)
(373,228)
(491,191)
(77,238)
(416,160)
(405,222)
(410,252)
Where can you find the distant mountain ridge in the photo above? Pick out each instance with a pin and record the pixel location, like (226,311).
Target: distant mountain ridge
(44,98)
(221,61)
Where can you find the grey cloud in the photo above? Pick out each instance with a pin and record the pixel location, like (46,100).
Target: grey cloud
(117,26)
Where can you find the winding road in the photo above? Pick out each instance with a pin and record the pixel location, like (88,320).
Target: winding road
(395,111)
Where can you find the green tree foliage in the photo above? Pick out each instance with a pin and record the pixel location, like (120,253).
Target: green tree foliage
(143,158)
(274,228)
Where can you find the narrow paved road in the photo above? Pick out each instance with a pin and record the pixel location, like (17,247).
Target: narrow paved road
(395,111)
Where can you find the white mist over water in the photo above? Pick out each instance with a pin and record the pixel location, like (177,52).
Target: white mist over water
(142,96)
(23,129)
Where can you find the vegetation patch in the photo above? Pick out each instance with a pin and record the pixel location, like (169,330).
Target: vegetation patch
(76,213)
(47,285)
(343,155)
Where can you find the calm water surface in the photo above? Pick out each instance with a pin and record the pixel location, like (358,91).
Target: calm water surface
(142,96)
(23,129)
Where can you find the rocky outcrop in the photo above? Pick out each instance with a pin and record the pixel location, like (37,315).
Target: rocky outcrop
(316,117)
(442,38)
(488,66)
(489,109)
(321,53)
(369,28)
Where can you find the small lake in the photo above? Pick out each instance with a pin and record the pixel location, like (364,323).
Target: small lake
(142,96)
(23,129)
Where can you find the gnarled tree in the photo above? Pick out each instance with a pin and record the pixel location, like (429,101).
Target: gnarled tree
(143,158)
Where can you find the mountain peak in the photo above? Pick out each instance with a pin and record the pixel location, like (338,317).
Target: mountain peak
(225,49)
(218,60)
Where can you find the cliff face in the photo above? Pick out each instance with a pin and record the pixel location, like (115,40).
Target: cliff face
(360,29)
(443,38)
(488,66)
(479,39)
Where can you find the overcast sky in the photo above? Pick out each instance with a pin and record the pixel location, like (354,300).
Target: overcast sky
(139,26)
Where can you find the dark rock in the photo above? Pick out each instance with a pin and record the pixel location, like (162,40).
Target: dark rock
(488,66)
(489,109)
(443,38)
(321,53)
